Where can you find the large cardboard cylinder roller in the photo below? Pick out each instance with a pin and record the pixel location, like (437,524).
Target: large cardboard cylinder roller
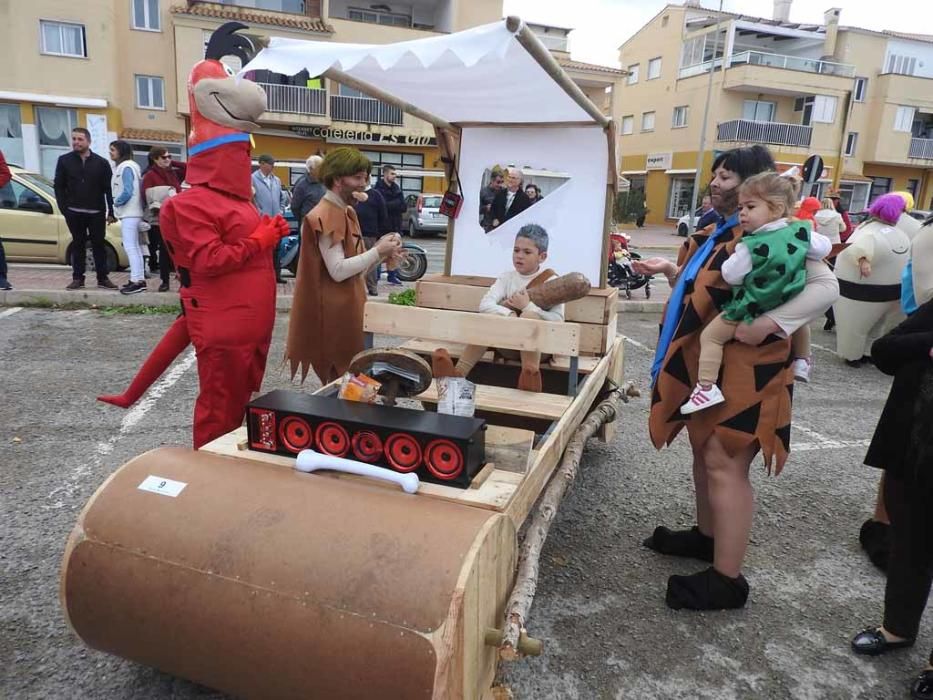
(264,582)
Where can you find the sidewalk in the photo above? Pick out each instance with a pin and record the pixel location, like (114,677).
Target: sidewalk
(46,284)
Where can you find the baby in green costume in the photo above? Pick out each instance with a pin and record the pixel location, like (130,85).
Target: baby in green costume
(766,269)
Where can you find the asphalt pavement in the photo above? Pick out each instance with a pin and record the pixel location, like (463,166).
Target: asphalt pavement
(600,604)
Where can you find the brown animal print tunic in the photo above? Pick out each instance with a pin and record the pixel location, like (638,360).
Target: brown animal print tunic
(757,382)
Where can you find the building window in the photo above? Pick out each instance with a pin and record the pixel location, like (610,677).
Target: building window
(63,39)
(410,184)
(681,197)
(393,19)
(632,75)
(904,119)
(647,121)
(679,119)
(54,126)
(757,111)
(879,186)
(913,186)
(699,53)
(664,20)
(861,87)
(824,109)
(904,65)
(11,134)
(146,15)
(804,105)
(851,143)
(628,124)
(654,68)
(150,92)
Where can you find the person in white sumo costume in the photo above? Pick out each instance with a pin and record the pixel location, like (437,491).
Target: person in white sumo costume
(869,272)
(905,222)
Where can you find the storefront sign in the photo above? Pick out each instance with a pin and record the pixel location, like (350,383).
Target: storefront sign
(659,161)
(361,137)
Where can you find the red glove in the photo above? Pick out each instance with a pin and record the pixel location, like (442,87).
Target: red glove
(270,231)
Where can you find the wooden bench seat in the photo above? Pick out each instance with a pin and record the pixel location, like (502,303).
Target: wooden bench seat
(424,347)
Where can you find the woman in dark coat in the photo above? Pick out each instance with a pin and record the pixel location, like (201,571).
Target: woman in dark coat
(903,446)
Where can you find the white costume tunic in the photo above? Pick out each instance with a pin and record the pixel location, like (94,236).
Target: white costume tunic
(869,307)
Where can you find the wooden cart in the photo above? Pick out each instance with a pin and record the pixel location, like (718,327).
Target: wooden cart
(228,567)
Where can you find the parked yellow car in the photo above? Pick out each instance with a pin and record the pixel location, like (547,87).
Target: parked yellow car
(34,230)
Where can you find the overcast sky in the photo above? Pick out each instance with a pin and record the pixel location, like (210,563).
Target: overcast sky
(602,25)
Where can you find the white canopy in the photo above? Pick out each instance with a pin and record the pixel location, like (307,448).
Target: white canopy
(490,74)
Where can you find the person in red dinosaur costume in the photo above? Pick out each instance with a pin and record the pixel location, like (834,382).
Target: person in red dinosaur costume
(220,247)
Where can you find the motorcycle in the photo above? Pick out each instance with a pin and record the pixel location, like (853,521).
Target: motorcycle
(413,265)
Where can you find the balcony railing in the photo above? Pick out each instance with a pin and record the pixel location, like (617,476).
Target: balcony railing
(776,133)
(294,99)
(921,148)
(808,65)
(364,110)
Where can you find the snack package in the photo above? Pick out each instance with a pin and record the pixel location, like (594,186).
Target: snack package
(456,396)
(358,388)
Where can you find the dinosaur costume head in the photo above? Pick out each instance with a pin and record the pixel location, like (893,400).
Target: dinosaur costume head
(223,111)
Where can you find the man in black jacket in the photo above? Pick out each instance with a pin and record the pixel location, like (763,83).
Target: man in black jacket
(511,200)
(395,205)
(392,194)
(82,189)
(373,216)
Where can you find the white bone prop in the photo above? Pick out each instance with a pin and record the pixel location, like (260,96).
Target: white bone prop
(311,461)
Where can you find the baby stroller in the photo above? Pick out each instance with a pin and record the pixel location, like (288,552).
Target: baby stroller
(621,273)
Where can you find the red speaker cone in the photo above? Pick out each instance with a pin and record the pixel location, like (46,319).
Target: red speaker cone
(332,439)
(443,459)
(367,447)
(295,433)
(403,452)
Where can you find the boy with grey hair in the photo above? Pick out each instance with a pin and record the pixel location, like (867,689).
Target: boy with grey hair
(508,296)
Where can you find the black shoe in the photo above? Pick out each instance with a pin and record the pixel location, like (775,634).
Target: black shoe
(829,325)
(681,543)
(853,363)
(875,538)
(5,286)
(922,688)
(75,284)
(105,284)
(164,287)
(133,288)
(706,590)
(871,642)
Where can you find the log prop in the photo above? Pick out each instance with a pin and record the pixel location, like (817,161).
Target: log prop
(513,640)
(560,290)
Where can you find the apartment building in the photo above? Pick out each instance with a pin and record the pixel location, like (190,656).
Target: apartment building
(120,68)
(862,99)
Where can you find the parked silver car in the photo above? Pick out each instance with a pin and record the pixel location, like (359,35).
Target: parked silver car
(422,215)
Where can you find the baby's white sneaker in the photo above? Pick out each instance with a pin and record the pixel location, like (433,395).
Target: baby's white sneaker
(702,398)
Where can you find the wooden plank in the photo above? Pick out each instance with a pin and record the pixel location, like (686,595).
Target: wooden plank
(473,329)
(422,346)
(499,399)
(494,494)
(463,297)
(480,477)
(549,454)
(509,448)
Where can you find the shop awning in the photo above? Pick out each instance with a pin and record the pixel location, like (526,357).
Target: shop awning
(444,76)
(634,172)
(681,171)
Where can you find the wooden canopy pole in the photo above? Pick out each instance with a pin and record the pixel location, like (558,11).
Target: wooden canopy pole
(350,81)
(539,52)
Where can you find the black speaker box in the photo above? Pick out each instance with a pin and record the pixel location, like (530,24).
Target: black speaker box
(444,449)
